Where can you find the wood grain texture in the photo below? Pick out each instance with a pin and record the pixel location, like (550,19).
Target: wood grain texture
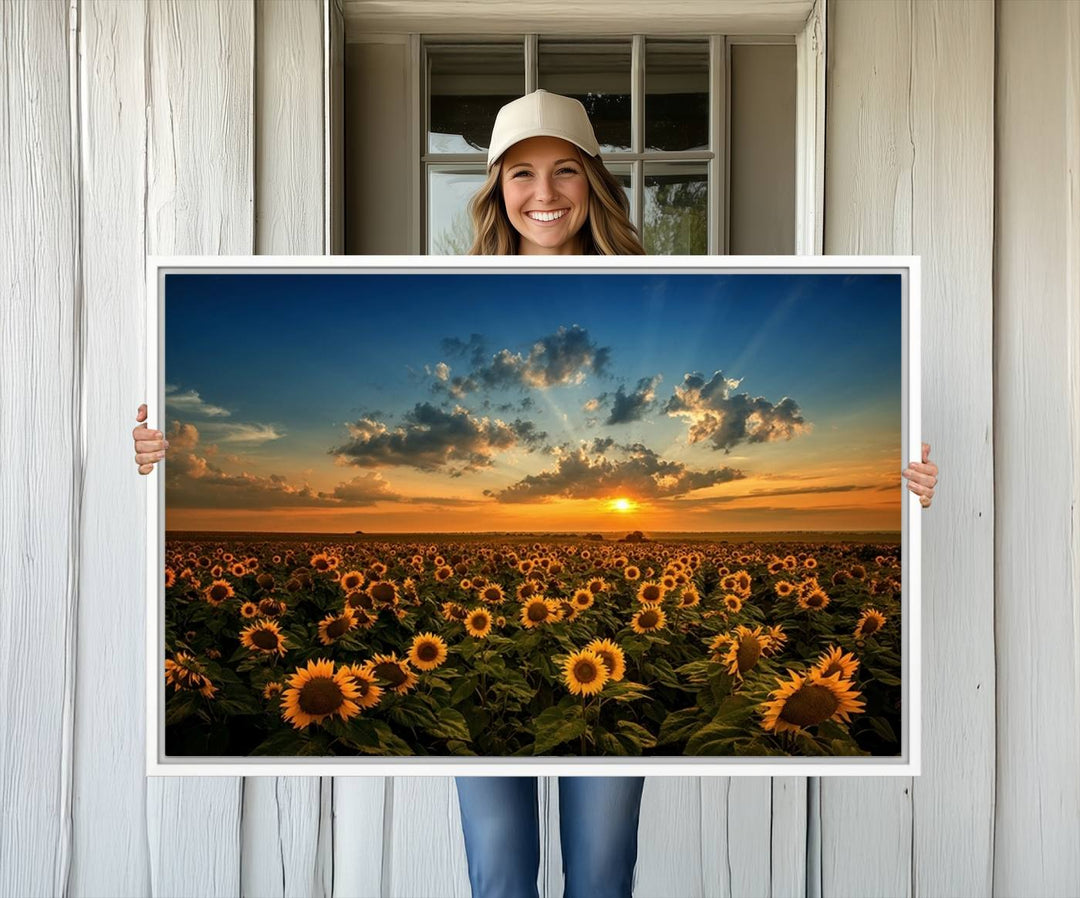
(554,16)
(361,808)
(1037,820)
(289,132)
(282,816)
(199,201)
(869,157)
(108,817)
(952,126)
(41,456)
(424,845)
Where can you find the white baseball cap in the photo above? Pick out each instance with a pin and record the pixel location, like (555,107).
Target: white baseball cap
(541,114)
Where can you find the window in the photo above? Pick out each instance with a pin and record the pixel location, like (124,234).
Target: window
(662,108)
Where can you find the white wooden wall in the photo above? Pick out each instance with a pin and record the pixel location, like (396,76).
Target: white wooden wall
(200,127)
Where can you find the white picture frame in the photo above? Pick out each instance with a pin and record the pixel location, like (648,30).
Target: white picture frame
(907,763)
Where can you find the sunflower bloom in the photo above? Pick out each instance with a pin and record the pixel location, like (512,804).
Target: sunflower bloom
(869,623)
(584,673)
(783,588)
(649,619)
(351,580)
(478,623)
(745,650)
(808,700)
(836,660)
(395,673)
(428,651)
(218,591)
(383,592)
(582,599)
(318,692)
(368,691)
(492,593)
(611,655)
(184,672)
(650,593)
(813,599)
(334,626)
(538,611)
(263,636)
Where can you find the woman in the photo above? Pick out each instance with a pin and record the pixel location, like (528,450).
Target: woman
(548,193)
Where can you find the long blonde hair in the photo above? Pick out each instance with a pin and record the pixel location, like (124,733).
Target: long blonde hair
(608,230)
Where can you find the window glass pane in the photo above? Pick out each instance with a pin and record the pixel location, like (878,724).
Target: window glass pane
(676,208)
(449,191)
(676,95)
(466,86)
(597,74)
(623,175)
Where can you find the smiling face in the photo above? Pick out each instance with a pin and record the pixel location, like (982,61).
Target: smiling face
(546,195)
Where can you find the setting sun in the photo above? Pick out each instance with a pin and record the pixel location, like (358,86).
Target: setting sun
(622,504)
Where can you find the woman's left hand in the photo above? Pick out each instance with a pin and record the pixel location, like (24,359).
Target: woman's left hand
(922,477)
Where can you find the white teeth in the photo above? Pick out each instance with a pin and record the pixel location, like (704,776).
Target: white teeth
(546,216)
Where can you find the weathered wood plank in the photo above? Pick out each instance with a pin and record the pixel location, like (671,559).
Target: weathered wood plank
(424,847)
(199,200)
(360,811)
(282,815)
(868,201)
(40,448)
(110,747)
(289,127)
(1037,451)
(952,83)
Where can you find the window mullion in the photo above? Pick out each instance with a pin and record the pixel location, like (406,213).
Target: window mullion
(637,128)
(532,62)
(717,187)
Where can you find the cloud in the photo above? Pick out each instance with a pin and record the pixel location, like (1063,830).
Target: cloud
(190,404)
(726,419)
(474,350)
(627,407)
(587,473)
(241,433)
(764,494)
(566,357)
(193,481)
(431,439)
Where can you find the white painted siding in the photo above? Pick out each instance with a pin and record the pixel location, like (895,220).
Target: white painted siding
(167,127)
(1036,841)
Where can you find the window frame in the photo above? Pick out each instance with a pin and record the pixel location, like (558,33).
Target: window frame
(809,108)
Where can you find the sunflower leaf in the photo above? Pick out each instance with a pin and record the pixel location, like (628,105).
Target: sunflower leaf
(553,726)
(610,744)
(641,737)
(679,725)
(464,688)
(625,691)
(391,744)
(283,742)
(664,673)
(184,706)
(882,677)
(883,729)
(711,739)
(450,725)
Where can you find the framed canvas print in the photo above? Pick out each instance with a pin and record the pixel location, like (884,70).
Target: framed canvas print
(519,515)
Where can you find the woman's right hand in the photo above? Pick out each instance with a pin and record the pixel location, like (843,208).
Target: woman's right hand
(150,445)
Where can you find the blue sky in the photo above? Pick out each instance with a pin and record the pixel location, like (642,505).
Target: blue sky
(288,386)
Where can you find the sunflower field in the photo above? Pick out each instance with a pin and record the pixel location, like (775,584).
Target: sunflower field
(523,646)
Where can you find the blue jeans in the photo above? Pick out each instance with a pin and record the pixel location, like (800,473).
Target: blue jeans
(598,823)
